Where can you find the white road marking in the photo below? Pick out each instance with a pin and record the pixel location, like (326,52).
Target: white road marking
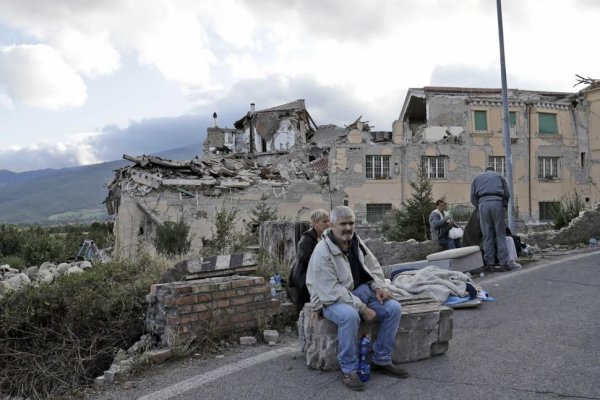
(199,380)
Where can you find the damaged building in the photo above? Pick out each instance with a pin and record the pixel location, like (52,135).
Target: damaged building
(455,133)
(279,156)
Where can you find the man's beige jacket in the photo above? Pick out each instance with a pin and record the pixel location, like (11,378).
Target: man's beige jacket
(329,278)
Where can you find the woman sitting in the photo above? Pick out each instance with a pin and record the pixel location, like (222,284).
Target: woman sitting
(440,224)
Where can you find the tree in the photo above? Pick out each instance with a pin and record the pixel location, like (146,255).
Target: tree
(262,212)
(172,238)
(412,220)
(224,238)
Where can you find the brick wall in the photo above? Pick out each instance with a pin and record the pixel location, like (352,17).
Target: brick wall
(223,306)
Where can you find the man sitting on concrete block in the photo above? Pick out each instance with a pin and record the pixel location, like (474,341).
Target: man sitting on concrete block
(346,283)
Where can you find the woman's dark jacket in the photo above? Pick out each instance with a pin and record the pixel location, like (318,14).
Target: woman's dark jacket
(297,291)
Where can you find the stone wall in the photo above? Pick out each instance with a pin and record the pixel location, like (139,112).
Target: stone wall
(389,253)
(179,312)
(579,231)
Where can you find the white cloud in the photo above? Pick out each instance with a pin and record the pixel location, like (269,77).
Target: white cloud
(47,155)
(5,102)
(37,76)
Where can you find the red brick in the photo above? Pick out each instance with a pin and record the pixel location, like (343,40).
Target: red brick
(242,308)
(258,280)
(203,289)
(242,283)
(223,286)
(184,309)
(203,316)
(241,300)
(258,289)
(199,307)
(186,300)
(182,289)
(243,317)
(224,293)
(241,292)
(261,297)
(202,298)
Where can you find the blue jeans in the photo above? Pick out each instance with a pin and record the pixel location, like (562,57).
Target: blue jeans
(450,243)
(491,219)
(347,320)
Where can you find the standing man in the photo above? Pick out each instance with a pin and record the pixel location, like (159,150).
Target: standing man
(346,283)
(489,194)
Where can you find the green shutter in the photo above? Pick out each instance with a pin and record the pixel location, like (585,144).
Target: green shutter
(548,125)
(481,121)
(512,116)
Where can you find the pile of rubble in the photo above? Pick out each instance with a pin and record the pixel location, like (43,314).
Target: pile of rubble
(211,174)
(12,279)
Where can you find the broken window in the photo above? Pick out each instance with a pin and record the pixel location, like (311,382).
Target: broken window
(377,167)
(548,167)
(548,124)
(548,210)
(480,119)
(376,211)
(434,166)
(498,163)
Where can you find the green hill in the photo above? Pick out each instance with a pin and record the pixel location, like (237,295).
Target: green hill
(54,196)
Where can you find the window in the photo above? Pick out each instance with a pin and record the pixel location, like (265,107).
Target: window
(434,167)
(376,212)
(548,210)
(547,124)
(480,121)
(498,163)
(512,117)
(378,167)
(548,167)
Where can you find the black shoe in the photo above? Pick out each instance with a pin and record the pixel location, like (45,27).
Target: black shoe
(352,381)
(390,369)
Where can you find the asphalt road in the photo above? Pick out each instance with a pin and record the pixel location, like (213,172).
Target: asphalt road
(539,340)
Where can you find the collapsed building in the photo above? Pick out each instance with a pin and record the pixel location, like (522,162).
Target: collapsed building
(279,156)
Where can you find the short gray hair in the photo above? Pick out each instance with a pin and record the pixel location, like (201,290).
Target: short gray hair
(341,212)
(318,215)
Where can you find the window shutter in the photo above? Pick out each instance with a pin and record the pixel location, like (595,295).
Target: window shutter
(480,120)
(548,125)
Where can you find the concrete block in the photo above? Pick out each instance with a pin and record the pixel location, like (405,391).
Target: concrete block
(271,335)
(248,340)
(424,332)
(159,356)
(463,259)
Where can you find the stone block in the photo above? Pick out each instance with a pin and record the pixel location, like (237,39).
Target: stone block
(271,335)
(463,259)
(159,356)
(248,340)
(425,330)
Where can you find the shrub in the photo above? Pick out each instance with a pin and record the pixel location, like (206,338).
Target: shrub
(225,238)
(412,221)
(59,336)
(172,238)
(569,208)
(11,239)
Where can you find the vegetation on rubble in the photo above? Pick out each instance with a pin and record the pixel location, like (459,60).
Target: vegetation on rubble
(22,246)
(569,208)
(59,336)
(412,220)
(262,212)
(172,238)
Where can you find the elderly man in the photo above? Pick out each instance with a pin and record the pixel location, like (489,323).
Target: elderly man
(490,194)
(346,282)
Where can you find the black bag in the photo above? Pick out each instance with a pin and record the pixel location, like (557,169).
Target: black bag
(296,288)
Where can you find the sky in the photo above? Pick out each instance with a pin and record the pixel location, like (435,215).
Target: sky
(85,81)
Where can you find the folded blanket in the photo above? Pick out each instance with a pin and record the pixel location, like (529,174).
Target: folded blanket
(433,281)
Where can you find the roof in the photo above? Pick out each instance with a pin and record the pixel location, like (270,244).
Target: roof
(297,105)
(442,89)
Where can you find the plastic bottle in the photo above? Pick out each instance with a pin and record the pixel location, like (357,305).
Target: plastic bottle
(278,286)
(364,364)
(272,285)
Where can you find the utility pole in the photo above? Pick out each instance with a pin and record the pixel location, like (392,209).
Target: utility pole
(506,123)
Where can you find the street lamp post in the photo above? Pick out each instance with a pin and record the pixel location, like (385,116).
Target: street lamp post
(506,122)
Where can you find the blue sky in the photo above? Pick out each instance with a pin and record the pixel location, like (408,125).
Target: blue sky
(86,81)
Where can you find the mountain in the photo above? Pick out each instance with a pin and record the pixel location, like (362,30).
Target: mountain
(54,196)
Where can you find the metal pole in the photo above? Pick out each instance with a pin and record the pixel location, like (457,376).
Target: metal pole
(506,122)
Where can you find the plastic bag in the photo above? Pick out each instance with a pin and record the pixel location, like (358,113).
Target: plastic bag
(455,232)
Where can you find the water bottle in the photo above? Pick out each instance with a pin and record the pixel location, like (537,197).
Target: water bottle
(278,282)
(364,365)
(272,285)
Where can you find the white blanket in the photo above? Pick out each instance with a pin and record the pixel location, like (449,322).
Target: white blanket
(433,281)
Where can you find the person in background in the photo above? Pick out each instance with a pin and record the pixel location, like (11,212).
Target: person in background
(346,283)
(489,195)
(440,224)
(297,290)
